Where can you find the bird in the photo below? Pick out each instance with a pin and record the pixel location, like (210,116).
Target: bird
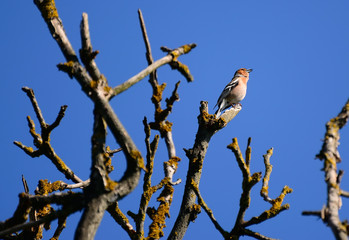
(234,92)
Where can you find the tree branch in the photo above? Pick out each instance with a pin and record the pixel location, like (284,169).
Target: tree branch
(208,126)
(240,227)
(42,141)
(330,155)
(151,68)
(86,54)
(209,212)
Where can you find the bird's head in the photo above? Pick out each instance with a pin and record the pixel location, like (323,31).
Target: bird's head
(243,72)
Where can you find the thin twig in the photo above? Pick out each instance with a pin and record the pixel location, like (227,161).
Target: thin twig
(60,227)
(112,152)
(78,185)
(25,185)
(48,218)
(147,188)
(121,219)
(344,193)
(312,213)
(151,68)
(208,211)
(35,104)
(86,54)
(268,169)
(58,119)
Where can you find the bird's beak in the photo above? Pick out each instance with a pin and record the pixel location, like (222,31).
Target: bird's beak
(249,70)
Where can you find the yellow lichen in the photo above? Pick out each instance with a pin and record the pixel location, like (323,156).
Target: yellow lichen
(264,190)
(48,9)
(187,48)
(195,209)
(137,156)
(110,184)
(45,187)
(173,161)
(158,217)
(93,84)
(165,127)
(157,95)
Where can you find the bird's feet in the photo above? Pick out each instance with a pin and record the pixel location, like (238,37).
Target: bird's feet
(234,105)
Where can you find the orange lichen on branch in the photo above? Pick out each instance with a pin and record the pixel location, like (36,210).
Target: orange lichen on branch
(48,9)
(36,136)
(159,215)
(45,187)
(110,184)
(161,114)
(179,51)
(162,127)
(208,120)
(157,93)
(195,210)
(234,146)
(278,201)
(275,209)
(102,85)
(268,168)
(247,185)
(42,141)
(137,156)
(67,67)
(177,65)
(173,162)
(121,219)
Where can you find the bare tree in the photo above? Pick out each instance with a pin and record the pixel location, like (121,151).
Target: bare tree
(330,155)
(100,193)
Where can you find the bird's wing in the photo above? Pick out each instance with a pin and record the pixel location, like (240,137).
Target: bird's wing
(233,83)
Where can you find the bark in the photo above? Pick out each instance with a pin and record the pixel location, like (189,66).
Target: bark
(207,127)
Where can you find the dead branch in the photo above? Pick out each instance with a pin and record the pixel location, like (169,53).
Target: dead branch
(330,155)
(71,202)
(248,182)
(240,227)
(209,212)
(165,60)
(87,56)
(42,141)
(208,126)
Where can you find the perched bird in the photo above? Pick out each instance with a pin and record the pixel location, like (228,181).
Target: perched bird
(234,92)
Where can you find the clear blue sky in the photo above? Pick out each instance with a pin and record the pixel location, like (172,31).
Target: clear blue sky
(299,51)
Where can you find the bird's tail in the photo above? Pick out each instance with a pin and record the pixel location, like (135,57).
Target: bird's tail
(218,112)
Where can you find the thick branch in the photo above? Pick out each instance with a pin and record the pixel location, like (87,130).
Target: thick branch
(97,202)
(50,15)
(208,125)
(329,153)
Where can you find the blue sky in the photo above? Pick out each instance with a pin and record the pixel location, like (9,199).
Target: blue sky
(299,51)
